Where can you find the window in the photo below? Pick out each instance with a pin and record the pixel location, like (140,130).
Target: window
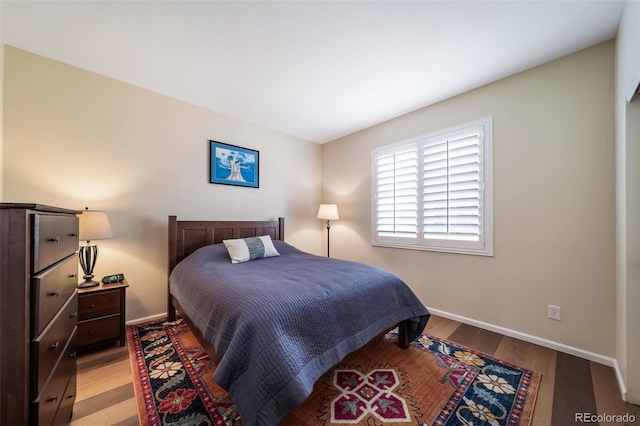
(434,192)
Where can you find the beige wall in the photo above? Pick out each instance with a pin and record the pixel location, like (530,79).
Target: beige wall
(73,138)
(76,139)
(554,204)
(627,202)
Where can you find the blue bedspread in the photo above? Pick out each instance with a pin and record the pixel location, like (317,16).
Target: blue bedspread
(279,323)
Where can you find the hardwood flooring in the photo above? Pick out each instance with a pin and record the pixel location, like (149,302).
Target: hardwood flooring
(569,384)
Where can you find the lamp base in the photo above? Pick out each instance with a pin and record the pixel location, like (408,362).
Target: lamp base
(86,284)
(88,256)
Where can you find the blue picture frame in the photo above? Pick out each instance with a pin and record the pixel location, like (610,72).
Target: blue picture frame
(233,165)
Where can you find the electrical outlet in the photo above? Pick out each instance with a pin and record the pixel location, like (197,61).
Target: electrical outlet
(554,312)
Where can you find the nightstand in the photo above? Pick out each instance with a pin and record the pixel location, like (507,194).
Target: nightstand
(101,315)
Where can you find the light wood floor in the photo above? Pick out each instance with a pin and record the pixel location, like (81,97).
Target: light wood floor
(569,384)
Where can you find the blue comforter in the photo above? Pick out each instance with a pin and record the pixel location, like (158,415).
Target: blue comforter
(279,323)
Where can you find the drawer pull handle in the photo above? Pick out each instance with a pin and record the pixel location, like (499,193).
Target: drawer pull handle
(93,305)
(71,396)
(72,355)
(72,276)
(73,234)
(54,240)
(92,331)
(73,315)
(54,346)
(54,293)
(52,399)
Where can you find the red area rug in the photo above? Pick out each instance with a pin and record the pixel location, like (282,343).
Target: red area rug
(434,382)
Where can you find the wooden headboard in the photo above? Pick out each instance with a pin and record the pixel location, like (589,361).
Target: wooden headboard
(186,236)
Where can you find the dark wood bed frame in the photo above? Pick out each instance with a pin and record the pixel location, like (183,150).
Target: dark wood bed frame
(186,236)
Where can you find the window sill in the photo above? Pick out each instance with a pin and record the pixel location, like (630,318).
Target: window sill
(441,249)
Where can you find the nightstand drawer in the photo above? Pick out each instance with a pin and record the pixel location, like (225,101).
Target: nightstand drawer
(101,315)
(98,330)
(99,304)
(54,238)
(50,290)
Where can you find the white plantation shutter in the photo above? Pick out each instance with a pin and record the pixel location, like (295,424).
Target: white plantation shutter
(452,188)
(397,192)
(435,192)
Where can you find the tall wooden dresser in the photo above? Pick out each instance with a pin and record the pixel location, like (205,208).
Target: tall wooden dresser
(38,315)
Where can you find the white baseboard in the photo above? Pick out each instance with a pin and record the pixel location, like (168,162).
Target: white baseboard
(146,319)
(561,347)
(621,385)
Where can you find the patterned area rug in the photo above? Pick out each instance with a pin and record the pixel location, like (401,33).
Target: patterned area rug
(434,382)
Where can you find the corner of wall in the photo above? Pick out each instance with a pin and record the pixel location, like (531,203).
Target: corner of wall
(627,190)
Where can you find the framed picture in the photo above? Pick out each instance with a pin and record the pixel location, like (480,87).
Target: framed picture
(233,165)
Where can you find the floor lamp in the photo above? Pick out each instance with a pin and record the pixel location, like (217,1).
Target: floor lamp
(94,225)
(328,212)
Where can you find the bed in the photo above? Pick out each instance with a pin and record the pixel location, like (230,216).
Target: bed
(275,325)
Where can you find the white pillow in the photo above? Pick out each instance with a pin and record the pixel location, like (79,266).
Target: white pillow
(245,249)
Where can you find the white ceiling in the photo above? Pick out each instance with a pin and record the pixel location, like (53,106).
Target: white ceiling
(317,70)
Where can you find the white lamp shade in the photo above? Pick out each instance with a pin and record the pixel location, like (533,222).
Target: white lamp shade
(94,225)
(328,212)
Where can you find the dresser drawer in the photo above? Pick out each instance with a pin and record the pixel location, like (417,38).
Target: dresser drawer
(50,290)
(65,410)
(48,346)
(99,304)
(99,330)
(54,238)
(45,406)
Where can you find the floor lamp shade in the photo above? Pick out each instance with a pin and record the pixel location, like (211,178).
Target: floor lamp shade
(94,225)
(328,212)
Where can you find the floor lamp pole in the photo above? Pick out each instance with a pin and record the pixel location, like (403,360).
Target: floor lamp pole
(328,232)
(327,212)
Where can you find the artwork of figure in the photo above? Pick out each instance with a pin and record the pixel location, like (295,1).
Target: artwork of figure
(234,165)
